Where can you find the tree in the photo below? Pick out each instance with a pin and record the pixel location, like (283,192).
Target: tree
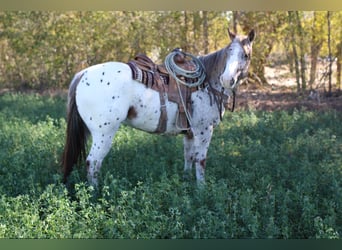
(338,37)
(301,35)
(294,48)
(298,38)
(330,54)
(205,32)
(317,39)
(267,25)
(339,65)
(43,49)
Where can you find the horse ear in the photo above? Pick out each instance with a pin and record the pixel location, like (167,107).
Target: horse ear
(231,35)
(251,35)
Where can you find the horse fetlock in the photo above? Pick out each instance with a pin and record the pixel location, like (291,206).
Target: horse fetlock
(200,170)
(93,178)
(187,175)
(200,183)
(94,167)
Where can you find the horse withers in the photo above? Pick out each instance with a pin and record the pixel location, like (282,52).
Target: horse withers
(103,96)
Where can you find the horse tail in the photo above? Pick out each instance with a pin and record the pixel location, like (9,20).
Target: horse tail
(76,132)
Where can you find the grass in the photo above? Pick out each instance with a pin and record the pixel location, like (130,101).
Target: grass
(269,175)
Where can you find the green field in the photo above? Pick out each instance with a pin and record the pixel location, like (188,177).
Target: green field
(269,175)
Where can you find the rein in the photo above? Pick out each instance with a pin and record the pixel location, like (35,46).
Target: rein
(222,99)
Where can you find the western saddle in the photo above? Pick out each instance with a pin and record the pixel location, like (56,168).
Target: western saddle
(156,77)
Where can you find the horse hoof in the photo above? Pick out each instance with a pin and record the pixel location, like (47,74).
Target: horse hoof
(187,176)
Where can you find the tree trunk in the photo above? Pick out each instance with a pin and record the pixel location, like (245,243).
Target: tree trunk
(313,68)
(205,32)
(316,45)
(302,52)
(235,20)
(339,66)
(185,44)
(197,32)
(289,56)
(295,58)
(294,49)
(330,56)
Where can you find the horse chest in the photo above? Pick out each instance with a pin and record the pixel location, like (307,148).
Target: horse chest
(205,111)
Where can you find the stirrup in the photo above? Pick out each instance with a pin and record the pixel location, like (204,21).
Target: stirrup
(182,123)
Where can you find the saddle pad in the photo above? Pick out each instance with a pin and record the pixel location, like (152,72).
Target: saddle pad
(145,76)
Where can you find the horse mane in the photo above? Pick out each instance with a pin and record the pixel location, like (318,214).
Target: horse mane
(214,62)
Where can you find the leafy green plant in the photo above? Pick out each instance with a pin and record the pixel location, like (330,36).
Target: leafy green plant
(269,175)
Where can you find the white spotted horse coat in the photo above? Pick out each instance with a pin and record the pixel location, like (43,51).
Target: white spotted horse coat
(103,96)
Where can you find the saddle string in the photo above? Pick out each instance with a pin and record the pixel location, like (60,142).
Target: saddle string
(188,116)
(178,72)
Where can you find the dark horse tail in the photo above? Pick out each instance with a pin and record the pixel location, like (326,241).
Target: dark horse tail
(76,133)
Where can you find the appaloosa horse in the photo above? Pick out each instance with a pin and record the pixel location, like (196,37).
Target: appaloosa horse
(103,96)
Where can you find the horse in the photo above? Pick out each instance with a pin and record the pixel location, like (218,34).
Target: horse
(104,96)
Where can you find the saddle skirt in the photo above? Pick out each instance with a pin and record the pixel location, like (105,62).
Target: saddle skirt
(156,77)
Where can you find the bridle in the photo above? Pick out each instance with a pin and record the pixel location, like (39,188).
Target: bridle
(222,97)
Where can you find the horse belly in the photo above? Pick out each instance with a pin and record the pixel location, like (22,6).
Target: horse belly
(145,110)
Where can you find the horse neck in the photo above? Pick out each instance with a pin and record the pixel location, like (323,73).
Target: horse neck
(214,64)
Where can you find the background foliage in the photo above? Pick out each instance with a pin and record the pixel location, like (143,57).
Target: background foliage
(269,175)
(42,49)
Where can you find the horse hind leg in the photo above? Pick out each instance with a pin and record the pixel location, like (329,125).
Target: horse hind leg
(101,144)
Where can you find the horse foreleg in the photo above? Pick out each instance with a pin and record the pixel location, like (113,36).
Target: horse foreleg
(200,147)
(200,170)
(195,151)
(188,156)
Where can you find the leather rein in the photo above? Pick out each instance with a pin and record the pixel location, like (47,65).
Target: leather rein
(222,99)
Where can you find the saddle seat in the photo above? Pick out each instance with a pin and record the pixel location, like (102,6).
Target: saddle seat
(156,77)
